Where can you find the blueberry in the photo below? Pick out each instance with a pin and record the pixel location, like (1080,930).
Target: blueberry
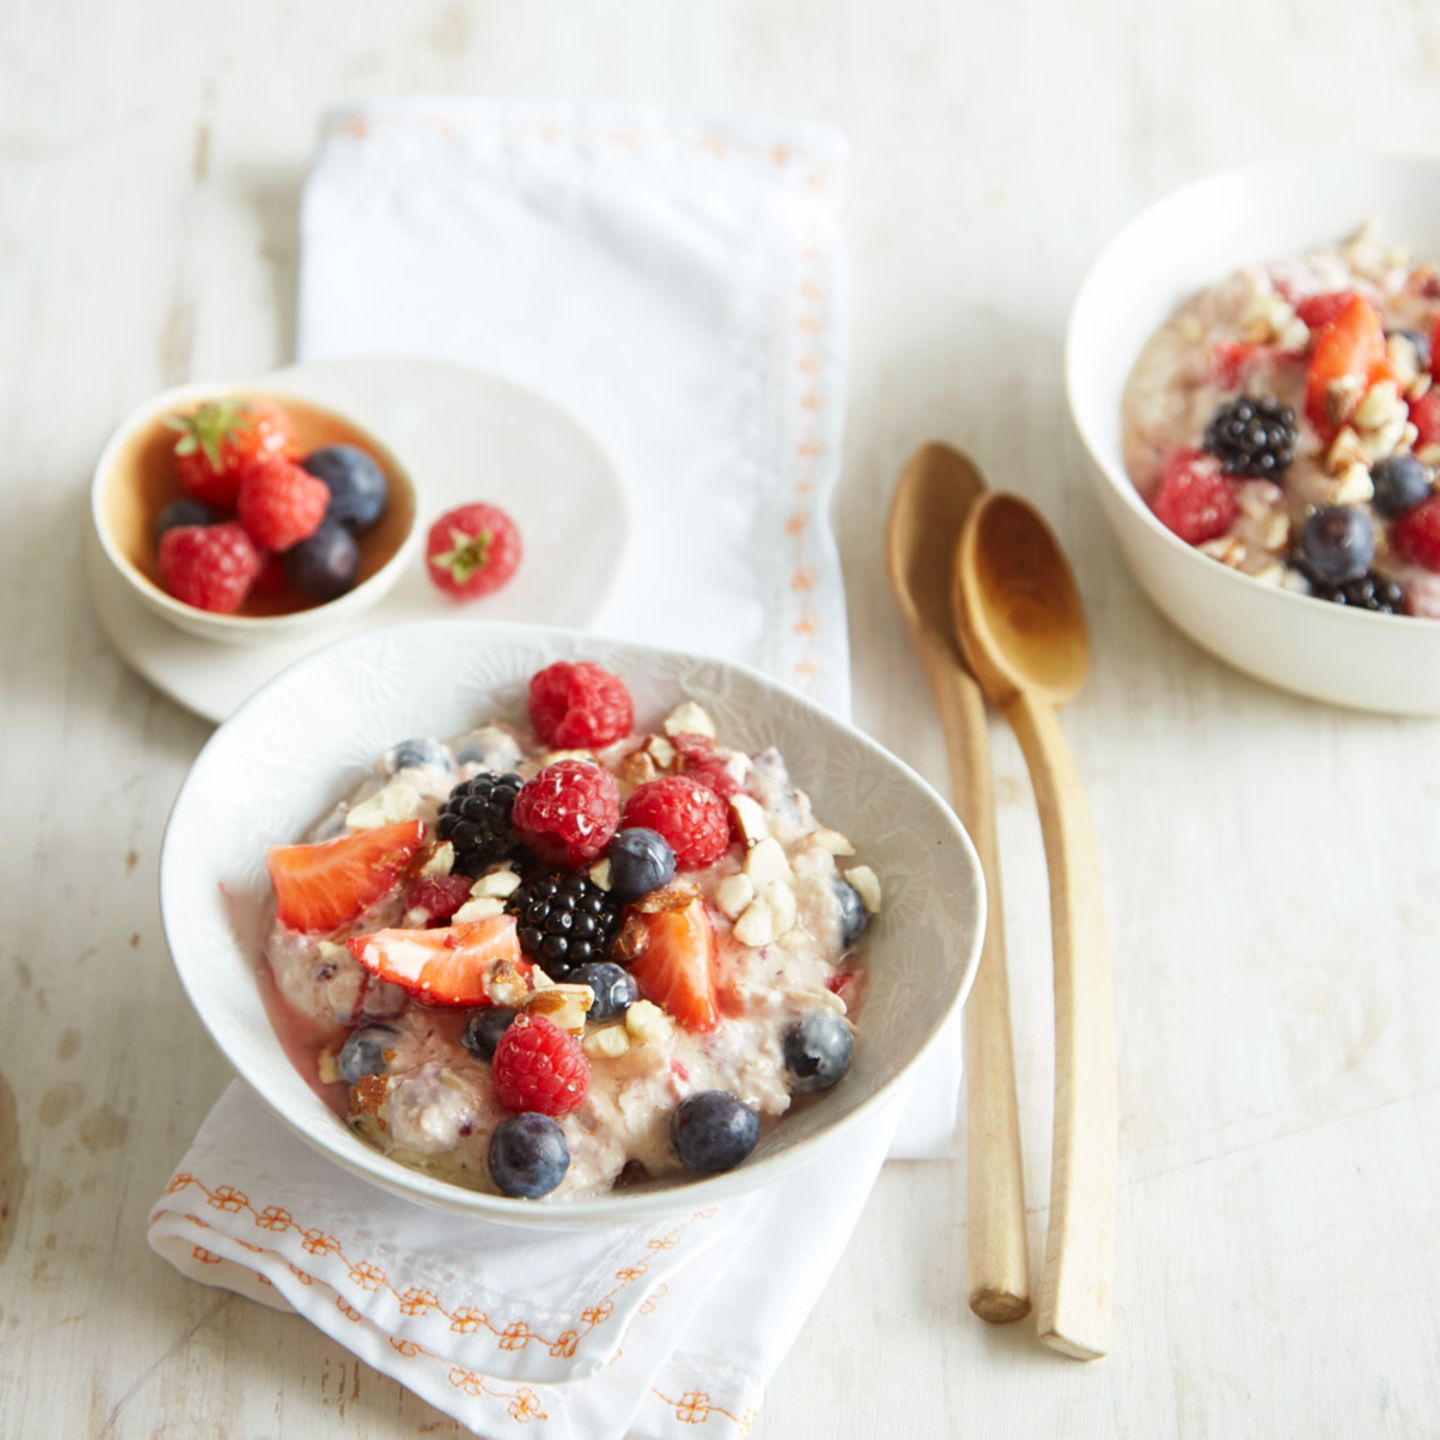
(713,1131)
(817,1051)
(357,484)
(1401,483)
(1420,340)
(420,751)
(641,860)
(483,1032)
(1337,544)
(363,1052)
(854,917)
(184,512)
(528,1155)
(615,989)
(325,565)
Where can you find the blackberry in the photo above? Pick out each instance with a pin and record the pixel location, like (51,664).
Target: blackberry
(1252,435)
(1369,592)
(475,819)
(565,921)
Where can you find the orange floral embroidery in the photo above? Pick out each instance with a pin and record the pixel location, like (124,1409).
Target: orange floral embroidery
(695,1407)
(647,1306)
(204,1256)
(526,1406)
(466,1380)
(416,1301)
(346,1309)
(407,1348)
(371,1278)
(179,1182)
(367,1276)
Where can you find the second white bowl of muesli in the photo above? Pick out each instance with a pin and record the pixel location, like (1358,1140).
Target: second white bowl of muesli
(561,930)
(1250,367)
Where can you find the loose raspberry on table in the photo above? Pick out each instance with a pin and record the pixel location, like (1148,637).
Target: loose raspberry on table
(567,813)
(579,706)
(1194,499)
(690,816)
(700,761)
(281,504)
(1417,535)
(538,1066)
(209,566)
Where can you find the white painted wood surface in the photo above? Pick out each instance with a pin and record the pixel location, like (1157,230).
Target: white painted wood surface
(1273,873)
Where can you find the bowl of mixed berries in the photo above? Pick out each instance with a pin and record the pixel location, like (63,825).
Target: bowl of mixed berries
(553,929)
(243,515)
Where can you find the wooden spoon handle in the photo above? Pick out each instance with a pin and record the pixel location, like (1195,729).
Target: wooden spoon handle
(997,1271)
(1075,1290)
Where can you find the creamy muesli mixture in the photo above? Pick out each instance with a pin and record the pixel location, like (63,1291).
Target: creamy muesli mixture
(1283,421)
(562,957)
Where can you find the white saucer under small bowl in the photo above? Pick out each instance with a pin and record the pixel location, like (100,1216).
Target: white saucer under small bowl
(461,435)
(306,738)
(1193,238)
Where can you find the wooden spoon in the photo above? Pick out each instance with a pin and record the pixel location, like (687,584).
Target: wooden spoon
(1020,620)
(936,490)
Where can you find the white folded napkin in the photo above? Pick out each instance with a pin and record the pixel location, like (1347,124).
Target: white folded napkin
(675,280)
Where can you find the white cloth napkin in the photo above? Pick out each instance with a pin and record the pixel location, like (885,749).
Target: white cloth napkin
(676,280)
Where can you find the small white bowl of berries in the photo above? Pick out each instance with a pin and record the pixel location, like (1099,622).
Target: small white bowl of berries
(243,515)
(1251,367)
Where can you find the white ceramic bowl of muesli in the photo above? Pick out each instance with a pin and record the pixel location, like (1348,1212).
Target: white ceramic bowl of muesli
(1184,244)
(276,768)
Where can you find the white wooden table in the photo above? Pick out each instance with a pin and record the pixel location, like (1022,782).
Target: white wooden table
(1273,869)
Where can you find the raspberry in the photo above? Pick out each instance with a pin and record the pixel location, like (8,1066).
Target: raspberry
(1417,535)
(280,504)
(687,813)
(581,706)
(209,566)
(473,551)
(567,813)
(439,896)
(700,762)
(1194,499)
(538,1066)
(1425,417)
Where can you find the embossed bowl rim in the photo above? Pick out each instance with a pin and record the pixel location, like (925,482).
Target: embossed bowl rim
(222,986)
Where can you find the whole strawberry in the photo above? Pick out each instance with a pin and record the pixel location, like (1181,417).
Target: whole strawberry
(209,566)
(281,504)
(472,551)
(222,439)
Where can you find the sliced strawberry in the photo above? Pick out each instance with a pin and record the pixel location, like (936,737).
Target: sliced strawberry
(1317,311)
(1425,417)
(320,887)
(477,962)
(675,967)
(1351,346)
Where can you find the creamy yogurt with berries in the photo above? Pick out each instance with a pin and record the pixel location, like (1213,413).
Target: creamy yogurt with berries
(1283,421)
(557,958)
